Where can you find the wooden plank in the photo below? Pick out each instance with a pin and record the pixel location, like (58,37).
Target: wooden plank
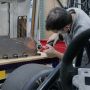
(17,60)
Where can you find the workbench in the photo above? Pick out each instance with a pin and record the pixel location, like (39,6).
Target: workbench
(7,66)
(11,55)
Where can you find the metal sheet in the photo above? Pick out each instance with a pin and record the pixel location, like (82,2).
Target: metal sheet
(11,47)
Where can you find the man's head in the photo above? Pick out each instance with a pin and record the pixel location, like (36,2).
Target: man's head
(57,19)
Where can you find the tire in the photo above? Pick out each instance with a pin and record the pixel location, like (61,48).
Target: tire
(25,77)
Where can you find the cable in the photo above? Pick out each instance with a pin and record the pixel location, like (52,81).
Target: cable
(60,3)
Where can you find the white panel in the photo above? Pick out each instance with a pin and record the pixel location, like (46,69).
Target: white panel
(4,18)
(29,17)
(79,1)
(13,19)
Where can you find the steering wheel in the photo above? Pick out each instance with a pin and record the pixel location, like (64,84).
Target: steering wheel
(65,70)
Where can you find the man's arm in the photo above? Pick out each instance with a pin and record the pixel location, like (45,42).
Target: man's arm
(51,52)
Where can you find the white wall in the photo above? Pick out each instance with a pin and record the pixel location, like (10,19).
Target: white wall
(4,18)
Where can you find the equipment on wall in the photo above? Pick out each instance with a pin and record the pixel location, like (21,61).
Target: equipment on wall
(21,26)
(84,4)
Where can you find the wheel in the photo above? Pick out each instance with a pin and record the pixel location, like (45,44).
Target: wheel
(65,71)
(26,77)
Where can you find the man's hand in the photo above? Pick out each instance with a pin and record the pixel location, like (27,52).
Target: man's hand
(52,37)
(50,51)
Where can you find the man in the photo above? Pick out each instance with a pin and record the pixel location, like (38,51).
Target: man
(72,22)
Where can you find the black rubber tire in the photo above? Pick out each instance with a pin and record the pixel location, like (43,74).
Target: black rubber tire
(22,77)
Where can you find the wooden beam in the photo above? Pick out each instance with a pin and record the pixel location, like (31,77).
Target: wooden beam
(33,17)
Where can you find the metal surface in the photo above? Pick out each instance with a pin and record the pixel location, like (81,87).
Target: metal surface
(14,48)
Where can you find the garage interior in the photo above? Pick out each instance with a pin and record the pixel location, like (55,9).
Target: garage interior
(22,23)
